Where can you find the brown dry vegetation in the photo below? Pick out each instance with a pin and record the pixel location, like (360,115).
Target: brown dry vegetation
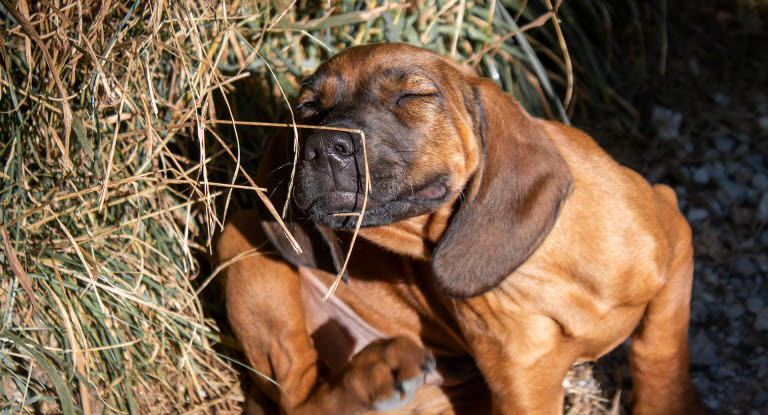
(114,178)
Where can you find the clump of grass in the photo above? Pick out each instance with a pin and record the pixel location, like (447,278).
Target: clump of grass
(114,179)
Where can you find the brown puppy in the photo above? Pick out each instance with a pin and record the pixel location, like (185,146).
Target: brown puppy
(488,234)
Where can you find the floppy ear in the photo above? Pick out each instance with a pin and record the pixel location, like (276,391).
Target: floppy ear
(511,203)
(320,247)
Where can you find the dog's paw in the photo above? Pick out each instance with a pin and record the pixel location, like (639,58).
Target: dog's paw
(402,395)
(386,373)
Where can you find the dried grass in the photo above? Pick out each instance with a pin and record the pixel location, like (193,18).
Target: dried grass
(114,180)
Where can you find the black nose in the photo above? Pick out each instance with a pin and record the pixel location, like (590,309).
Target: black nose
(329,150)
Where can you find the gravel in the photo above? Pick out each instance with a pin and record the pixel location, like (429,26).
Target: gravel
(715,159)
(703,130)
(725,175)
(667,122)
(697,214)
(703,350)
(761,320)
(755,304)
(762,208)
(760,182)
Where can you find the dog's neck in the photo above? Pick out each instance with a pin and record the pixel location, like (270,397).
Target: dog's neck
(415,237)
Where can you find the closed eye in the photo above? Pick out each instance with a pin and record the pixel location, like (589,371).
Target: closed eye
(306,109)
(306,105)
(405,98)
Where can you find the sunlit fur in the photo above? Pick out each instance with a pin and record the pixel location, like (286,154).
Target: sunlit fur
(542,252)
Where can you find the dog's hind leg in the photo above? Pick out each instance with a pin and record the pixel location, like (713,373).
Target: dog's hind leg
(659,349)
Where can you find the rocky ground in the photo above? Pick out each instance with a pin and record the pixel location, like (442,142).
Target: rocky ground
(722,181)
(707,136)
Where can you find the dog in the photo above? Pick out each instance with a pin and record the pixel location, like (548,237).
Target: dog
(496,250)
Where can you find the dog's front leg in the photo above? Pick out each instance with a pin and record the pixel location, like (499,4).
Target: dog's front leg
(522,358)
(263,296)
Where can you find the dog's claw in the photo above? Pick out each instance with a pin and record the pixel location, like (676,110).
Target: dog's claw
(428,365)
(404,392)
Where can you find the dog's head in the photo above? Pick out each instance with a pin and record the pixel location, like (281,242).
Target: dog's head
(417,114)
(435,136)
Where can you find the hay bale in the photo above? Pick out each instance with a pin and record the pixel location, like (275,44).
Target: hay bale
(114,179)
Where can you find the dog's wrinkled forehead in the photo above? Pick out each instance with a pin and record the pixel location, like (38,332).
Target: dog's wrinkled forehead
(375,70)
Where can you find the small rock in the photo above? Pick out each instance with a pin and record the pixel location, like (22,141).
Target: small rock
(694,67)
(717,207)
(701,383)
(723,196)
(712,403)
(756,161)
(697,215)
(762,208)
(711,154)
(703,351)
(744,266)
(744,174)
(699,310)
(760,181)
(721,99)
(718,171)
(708,297)
(761,320)
(762,262)
(734,340)
(701,176)
(732,167)
(763,122)
(728,370)
(741,215)
(735,311)
(762,367)
(711,276)
(754,304)
(667,122)
(724,144)
(737,193)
